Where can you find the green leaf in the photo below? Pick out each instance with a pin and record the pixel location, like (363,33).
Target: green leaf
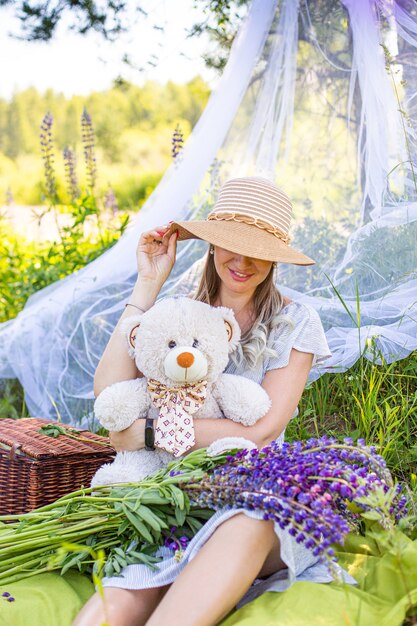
(151,518)
(75,561)
(194,524)
(144,558)
(178,497)
(371,515)
(180,516)
(138,525)
(108,569)
(123,527)
(154,497)
(119,551)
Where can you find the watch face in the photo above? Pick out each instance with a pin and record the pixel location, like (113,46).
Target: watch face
(149,435)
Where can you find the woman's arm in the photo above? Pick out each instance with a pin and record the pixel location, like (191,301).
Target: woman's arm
(155,259)
(284,386)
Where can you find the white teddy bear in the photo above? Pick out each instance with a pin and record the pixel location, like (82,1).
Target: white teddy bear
(182,347)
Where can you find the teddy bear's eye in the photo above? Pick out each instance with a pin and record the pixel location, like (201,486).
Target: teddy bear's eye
(172,344)
(195,343)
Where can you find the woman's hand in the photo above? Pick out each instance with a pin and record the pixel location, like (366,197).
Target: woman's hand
(130,439)
(156,254)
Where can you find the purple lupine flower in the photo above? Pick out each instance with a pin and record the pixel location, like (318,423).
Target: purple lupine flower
(48,157)
(70,162)
(177,142)
(88,139)
(305,487)
(173,543)
(170,541)
(183,541)
(110,201)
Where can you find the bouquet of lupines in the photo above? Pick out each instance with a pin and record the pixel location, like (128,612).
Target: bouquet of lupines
(316,489)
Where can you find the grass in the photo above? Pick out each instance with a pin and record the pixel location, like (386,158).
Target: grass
(375,402)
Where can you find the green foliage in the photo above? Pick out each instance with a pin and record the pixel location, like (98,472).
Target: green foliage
(27,267)
(12,401)
(376,402)
(39,19)
(125,106)
(133,191)
(133,129)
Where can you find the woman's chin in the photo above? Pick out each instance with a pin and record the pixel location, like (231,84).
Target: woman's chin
(240,287)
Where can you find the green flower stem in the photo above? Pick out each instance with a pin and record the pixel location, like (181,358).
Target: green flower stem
(13,530)
(60,534)
(48,526)
(45,539)
(18,517)
(17,559)
(21,575)
(20,568)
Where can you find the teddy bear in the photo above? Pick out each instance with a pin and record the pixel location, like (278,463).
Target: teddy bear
(181,346)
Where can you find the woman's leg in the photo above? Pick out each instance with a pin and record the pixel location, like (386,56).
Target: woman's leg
(223,570)
(120,607)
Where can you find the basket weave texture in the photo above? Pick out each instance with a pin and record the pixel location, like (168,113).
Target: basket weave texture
(36,469)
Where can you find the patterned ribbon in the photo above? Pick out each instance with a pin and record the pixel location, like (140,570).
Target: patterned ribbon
(174,431)
(226,216)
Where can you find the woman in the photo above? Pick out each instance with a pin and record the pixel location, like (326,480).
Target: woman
(247,231)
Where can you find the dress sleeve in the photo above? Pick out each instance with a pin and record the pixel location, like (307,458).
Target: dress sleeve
(301,328)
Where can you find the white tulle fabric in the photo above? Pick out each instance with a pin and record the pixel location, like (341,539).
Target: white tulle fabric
(267,91)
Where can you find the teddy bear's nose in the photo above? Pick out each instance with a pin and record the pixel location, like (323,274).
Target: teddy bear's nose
(185,359)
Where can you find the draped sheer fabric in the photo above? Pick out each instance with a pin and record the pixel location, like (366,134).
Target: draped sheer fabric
(321,98)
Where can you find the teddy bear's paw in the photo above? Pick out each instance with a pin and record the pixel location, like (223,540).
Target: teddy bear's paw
(129,467)
(110,474)
(120,404)
(230,443)
(258,404)
(241,400)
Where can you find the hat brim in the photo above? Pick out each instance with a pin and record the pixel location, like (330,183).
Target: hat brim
(241,238)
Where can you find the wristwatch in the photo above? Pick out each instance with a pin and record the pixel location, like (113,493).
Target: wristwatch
(149,434)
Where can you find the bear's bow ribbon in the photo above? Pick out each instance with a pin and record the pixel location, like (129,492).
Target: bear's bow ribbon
(174,431)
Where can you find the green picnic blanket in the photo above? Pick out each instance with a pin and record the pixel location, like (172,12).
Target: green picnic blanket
(387,588)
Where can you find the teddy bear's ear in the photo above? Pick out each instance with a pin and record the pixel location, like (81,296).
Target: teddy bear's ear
(232,327)
(129,329)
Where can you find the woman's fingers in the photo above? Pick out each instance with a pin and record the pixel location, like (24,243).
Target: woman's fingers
(172,244)
(156,234)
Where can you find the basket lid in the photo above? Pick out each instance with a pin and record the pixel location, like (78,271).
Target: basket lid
(23,437)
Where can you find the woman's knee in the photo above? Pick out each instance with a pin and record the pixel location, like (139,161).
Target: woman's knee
(256,529)
(120,607)
(257,535)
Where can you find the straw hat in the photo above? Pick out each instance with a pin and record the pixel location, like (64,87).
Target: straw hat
(252,217)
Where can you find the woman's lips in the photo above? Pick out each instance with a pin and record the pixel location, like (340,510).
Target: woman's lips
(240,277)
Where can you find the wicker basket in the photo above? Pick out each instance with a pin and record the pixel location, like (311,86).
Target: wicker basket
(36,469)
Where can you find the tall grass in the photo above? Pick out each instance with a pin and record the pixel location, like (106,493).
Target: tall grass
(375,401)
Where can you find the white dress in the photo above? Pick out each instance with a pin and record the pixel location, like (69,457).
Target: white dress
(301,329)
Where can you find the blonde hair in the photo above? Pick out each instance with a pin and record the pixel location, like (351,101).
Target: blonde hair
(267,302)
